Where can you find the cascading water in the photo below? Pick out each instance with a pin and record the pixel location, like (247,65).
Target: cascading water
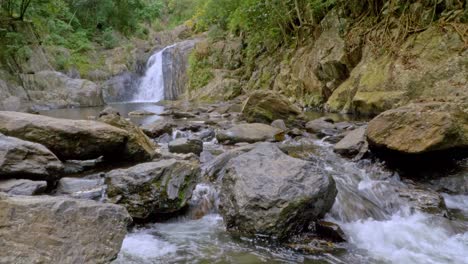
(151,88)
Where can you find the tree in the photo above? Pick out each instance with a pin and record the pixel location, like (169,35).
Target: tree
(16,8)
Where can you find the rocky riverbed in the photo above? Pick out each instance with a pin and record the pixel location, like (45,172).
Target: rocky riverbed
(251,180)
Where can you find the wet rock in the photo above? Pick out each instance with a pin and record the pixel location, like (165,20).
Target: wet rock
(420,128)
(422,199)
(69,230)
(279,123)
(454,184)
(77,166)
(23,187)
(354,144)
(153,188)
(267,106)
(138,146)
(92,189)
(141,113)
(24,159)
(159,127)
(330,231)
(68,139)
(207,134)
(249,133)
(185,145)
(322,127)
(267,192)
(180,115)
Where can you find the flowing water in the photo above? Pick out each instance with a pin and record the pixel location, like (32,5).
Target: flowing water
(151,88)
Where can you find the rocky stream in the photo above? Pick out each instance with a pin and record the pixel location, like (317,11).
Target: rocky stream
(251,180)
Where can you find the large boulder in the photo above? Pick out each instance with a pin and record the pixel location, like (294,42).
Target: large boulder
(19,158)
(185,146)
(159,127)
(138,146)
(55,89)
(23,187)
(267,192)
(267,106)
(153,188)
(68,139)
(249,133)
(44,229)
(420,128)
(353,144)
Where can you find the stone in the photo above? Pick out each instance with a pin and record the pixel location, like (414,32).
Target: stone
(267,106)
(55,89)
(24,159)
(249,133)
(185,146)
(420,128)
(141,113)
(153,188)
(422,199)
(266,192)
(353,143)
(158,127)
(214,169)
(68,139)
(279,123)
(45,229)
(23,187)
(322,127)
(92,189)
(330,231)
(138,146)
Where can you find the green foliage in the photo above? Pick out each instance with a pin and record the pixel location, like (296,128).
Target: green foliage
(108,38)
(199,71)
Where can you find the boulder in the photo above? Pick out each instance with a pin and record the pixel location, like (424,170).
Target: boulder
(267,106)
(92,189)
(185,146)
(267,192)
(420,128)
(141,113)
(322,127)
(55,89)
(353,144)
(153,188)
(279,123)
(214,169)
(44,229)
(23,187)
(68,139)
(138,146)
(24,159)
(159,127)
(249,133)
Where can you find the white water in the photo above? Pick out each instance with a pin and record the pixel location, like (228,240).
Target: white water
(151,88)
(377,222)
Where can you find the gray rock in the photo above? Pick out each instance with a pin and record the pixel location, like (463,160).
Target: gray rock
(159,127)
(141,113)
(24,159)
(214,169)
(77,166)
(92,189)
(422,199)
(353,144)
(321,127)
(120,88)
(249,133)
(154,187)
(23,187)
(44,229)
(185,145)
(279,123)
(68,139)
(267,192)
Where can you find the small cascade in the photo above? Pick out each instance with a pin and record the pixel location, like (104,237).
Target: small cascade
(151,88)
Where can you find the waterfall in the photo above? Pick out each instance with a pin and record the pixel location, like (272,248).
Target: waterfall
(151,88)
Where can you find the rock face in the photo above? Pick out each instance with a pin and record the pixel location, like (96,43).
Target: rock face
(153,188)
(23,187)
(353,143)
(138,146)
(55,89)
(68,230)
(19,158)
(267,106)
(120,88)
(185,146)
(420,128)
(249,133)
(264,191)
(437,70)
(68,139)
